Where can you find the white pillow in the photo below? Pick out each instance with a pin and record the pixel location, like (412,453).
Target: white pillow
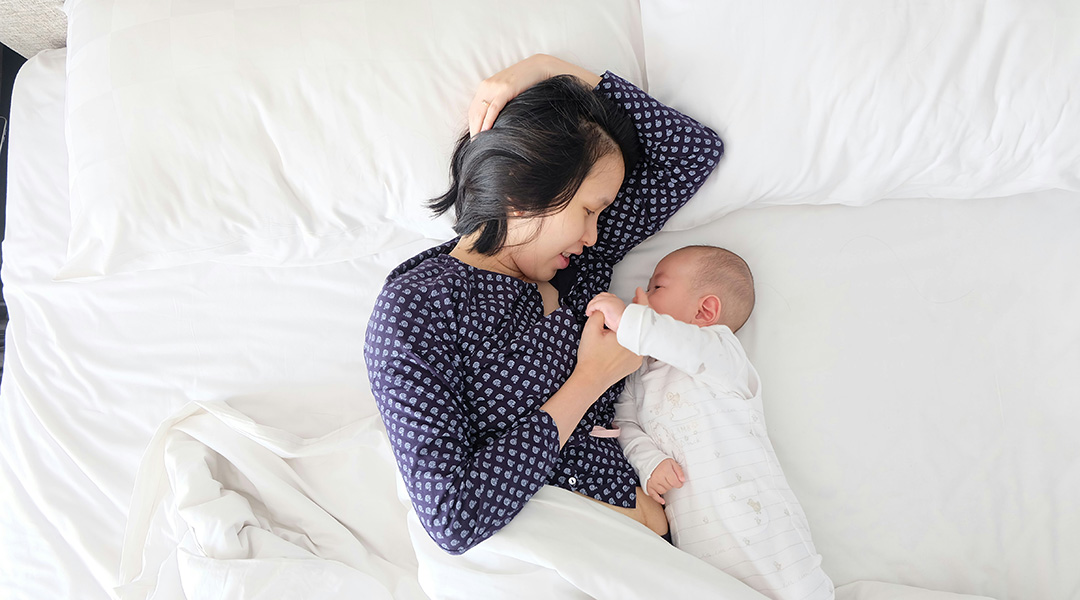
(850,101)
(289,132)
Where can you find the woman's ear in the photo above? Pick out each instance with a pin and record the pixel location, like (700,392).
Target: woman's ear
(708,311)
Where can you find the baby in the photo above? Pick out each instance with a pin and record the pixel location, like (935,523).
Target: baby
(692,424)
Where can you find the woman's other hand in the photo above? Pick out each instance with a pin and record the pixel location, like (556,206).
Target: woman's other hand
(601,355)
(494,92)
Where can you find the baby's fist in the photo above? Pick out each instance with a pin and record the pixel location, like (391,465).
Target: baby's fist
(611,307)
(666,476)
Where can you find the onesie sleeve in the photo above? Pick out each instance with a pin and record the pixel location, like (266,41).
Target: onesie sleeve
(464,487)
(712,353)
(677,155)
(640,449)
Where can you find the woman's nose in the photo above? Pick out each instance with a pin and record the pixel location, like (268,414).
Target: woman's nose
(589,238)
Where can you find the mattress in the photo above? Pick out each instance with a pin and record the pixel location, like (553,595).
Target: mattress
(918,359)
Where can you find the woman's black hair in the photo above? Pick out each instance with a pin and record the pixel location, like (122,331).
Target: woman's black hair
(534,158)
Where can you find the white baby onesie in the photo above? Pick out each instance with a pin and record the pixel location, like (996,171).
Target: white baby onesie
(697,399)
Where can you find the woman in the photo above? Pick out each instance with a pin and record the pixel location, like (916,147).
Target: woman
(488,377)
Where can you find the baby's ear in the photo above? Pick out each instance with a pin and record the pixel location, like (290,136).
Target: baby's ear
(708,313)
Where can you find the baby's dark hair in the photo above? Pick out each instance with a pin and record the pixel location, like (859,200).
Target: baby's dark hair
(725,274)
(534,158)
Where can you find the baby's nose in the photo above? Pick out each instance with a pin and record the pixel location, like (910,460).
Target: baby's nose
(640,297)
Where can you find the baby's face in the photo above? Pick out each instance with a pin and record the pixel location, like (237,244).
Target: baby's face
(670,290)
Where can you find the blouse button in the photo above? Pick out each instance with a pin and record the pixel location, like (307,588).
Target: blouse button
(572,481)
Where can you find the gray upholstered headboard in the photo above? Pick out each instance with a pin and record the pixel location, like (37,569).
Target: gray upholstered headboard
(30,26)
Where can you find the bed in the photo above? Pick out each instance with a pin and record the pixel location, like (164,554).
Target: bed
(204,199)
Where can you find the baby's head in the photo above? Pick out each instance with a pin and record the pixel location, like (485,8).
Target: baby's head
(702,285)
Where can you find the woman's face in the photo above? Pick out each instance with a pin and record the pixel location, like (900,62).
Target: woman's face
(537,247)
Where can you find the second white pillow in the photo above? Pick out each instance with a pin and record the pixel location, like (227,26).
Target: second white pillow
(850,101)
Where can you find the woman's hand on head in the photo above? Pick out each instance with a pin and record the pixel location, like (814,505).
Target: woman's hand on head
(494,92)
(600,354)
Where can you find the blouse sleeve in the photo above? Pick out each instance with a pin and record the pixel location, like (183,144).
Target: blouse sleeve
(677,155)
(464,488)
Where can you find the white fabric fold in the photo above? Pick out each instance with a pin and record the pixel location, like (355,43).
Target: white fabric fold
(252,514)
(258,512)
(564,545)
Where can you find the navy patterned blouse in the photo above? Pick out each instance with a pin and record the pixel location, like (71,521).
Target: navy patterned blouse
(460,359)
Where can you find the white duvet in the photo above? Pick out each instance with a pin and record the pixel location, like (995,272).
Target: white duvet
(253,507)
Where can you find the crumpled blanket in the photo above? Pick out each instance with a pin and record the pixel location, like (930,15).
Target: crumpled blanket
(225,507)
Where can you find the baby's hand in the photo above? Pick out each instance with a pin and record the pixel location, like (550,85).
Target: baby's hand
(640,297)
(611,307)
(665,476)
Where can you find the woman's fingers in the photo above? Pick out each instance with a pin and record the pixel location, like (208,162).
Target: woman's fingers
(491,97)
(494,92)
(482,113)
(478,112)
(493,107)
(474,122)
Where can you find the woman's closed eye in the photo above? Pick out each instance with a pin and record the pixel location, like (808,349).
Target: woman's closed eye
(590,212)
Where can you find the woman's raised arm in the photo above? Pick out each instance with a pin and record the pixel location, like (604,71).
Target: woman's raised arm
(677,154)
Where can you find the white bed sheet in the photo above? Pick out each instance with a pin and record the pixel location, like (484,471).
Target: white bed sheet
(918,359)
(919,364)
(92,369)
